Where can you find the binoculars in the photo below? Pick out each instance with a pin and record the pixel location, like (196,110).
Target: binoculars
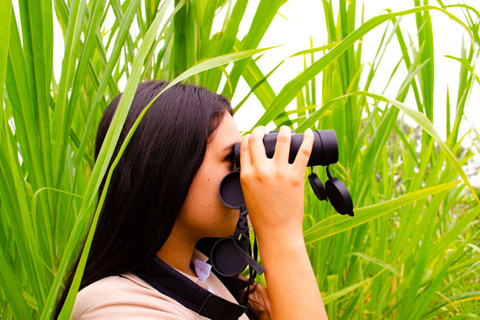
(324,153)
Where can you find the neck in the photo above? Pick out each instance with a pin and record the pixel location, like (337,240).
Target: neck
(177,252)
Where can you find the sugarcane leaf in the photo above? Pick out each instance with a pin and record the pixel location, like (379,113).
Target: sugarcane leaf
(5,14)
(13,291)
(340,223)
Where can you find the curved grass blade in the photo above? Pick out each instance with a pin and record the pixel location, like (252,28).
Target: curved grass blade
(339,223)
(423,121)
(258,84)
(313,50)
(266,11)
(378,262)
(129,92)
(466,65)
(337,295)
(455,231)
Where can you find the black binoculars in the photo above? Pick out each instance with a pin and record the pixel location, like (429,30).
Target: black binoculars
(324,153)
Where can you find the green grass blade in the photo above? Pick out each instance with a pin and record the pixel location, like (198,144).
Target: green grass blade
(34,20)
(383,264)
(72,76)
(121,38)
(339,223)
(5,14)
(266,11)
(226,42)
(13,291)
(15,200)
(181,49)
(453,233)
(428,127)
(337,295)
(465,64)
(258,85)
(313,50)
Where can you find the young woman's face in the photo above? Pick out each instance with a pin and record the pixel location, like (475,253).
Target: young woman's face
(203,214)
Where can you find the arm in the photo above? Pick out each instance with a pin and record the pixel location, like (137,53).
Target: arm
(274,195)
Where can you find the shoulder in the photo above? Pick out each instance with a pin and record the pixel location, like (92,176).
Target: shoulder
(126,297)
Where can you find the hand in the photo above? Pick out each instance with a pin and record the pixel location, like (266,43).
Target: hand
(273,191)
(273,188)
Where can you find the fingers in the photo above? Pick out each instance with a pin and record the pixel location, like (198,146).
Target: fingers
(305,150)
(256,147)
(245,152)
(282,147)
(253,149)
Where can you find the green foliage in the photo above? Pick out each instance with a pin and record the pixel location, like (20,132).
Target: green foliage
(411,251)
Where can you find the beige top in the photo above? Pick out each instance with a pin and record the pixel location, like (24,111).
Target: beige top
(129,297)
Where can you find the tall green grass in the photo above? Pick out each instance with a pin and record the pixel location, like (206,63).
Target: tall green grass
(416,259)
(412,250)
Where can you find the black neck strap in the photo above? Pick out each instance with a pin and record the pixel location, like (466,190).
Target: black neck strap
(173,284)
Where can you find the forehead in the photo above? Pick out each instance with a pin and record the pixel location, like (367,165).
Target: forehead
(226,133)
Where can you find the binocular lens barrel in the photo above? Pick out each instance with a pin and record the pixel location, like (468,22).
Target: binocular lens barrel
(324,151)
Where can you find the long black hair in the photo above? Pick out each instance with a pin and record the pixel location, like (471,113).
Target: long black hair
(152,179)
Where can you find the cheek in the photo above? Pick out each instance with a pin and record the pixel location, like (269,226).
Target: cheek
(203,195)
(203,212)
(207,188)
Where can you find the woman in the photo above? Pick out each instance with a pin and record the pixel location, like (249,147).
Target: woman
(163,198)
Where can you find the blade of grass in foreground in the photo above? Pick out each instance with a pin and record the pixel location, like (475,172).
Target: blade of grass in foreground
(340,293)
(339,223)
(200,67)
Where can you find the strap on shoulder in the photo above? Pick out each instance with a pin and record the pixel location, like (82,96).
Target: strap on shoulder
(173,284)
